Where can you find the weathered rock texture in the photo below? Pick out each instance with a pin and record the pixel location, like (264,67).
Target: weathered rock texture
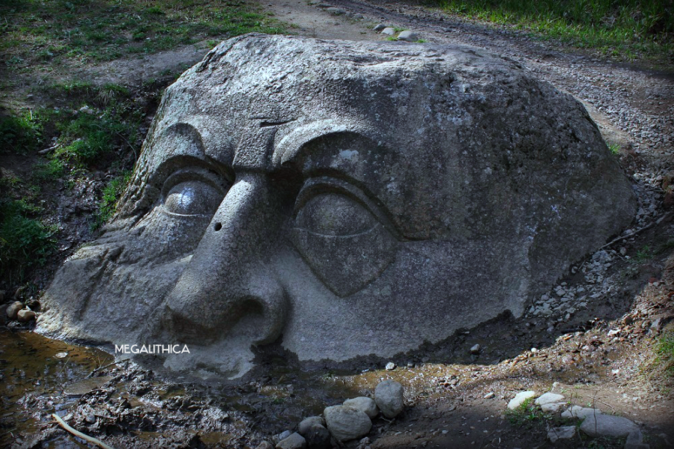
(344,199)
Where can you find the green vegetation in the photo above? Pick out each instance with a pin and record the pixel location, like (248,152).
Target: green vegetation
(665,353)
(526,414)
(624,29)
(20,134)
(111,194)
(37,31)
(25,242)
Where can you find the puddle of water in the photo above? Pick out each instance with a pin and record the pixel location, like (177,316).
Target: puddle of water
(33,364)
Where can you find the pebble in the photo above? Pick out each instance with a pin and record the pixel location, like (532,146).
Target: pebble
(520,398)
(390,366)
(635,440)
(388,31)
(489,395)
(365,405)
(294,441)
(577,411)
(318,437)
(336,11)
(608,426)
(561,433)
(389,398)
(408,36)
(379,27)
(25,315)
(548,398)
(475,349)
(13,309)
(346,423)
(283,435)
(306,424)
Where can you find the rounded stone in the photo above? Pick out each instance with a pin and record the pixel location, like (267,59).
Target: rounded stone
(13,309)
(25,315)
(306,424)
(389,398)
(364,404)
(347,423)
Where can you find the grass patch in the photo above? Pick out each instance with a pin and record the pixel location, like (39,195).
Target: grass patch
(664,350)
(623,29)
(25,242)
(111,194)
(20,133)
(39,32)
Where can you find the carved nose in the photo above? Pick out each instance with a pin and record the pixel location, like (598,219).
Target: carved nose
(227,286)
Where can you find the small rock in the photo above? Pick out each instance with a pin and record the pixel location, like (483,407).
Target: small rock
(389,31)
(389,398)
(90,419)
(346,423)
(608,425)
(475,349)
(25,315)
(306,424)
(365,405)
(283,435)
(548,398)
(408,36)
(61,355)
(489,395)
(390,366)
(379,27)
(294,441)
(318,437)
(635,440)
(265,445)
(577,411)
(561,433)
(552,407)
(520,398)
(336,11)
(13,309)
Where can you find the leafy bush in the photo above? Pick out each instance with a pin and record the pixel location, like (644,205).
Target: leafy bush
(24,242)
(20,134)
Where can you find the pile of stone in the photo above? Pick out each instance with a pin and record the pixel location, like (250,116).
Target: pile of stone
(406,35)
(594,423)
(19,311)
(350,421)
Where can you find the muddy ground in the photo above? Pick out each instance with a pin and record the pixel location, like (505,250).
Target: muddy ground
(592,339)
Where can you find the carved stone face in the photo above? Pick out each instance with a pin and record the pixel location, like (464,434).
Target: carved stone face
(343,199)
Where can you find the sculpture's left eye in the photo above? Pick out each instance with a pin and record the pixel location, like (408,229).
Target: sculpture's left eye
(334,214)
(197,193)
(193,198)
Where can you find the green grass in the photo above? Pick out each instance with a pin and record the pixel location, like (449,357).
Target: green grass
(623,29)
(25,242)
(20,133)
(665,353)
(38,32)
(111,194)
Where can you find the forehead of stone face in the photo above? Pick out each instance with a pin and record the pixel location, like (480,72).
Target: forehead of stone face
(419,128)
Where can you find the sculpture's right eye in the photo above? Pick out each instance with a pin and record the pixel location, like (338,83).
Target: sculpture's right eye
(192,195)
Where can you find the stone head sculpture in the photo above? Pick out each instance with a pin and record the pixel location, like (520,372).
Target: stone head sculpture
(341,199)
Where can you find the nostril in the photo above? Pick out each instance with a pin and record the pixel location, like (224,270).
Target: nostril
(217,226)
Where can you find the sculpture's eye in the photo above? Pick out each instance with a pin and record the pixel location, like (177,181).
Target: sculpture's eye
(191,193)
(334,214)
(341,234)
